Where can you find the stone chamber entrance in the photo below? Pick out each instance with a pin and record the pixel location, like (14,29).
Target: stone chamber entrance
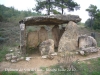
(34,30)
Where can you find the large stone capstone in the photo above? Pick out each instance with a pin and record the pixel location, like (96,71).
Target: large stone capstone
(68,40)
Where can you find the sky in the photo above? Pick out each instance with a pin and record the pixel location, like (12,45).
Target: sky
(29,4)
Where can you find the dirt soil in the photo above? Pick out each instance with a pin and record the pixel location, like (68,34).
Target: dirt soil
(36,62)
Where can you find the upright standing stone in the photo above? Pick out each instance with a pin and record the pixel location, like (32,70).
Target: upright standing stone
(55,34)
(68,40)
(43,35)
(32,39)
(23,38)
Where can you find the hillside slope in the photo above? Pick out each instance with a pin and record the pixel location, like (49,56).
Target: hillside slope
(10,32)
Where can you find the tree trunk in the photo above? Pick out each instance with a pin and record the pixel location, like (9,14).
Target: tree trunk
(62,11)
(62,7)
(49,7)
(91,23)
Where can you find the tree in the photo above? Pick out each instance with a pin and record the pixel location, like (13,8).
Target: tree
(92,10)
(87,23)
(94,21)
(13,15)
(97,20)
(69,4)
(43,4)
(52,5)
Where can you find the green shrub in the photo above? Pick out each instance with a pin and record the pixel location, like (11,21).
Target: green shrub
(2,29)
(2,40)
(3,52)
(9,73)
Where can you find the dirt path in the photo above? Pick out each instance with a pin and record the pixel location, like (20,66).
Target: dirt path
(36,62)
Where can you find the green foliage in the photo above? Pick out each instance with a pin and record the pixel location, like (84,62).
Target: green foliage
(90,67)
(92,10)
(94,21)
(56,12)
(9,73)
(34,74)
(2,40)
(80,23)
(11,14)
(98,42)
(69,4)
(87,23)
(97,21)
(3,52)
(55,5)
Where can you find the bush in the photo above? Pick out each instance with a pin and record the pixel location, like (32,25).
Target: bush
(3,52)
(9,73)
(2,40)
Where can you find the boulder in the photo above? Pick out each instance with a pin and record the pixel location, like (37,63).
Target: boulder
(89,50)
(14,57)
(68,40)
(8,56)
(46,47)
(85,41)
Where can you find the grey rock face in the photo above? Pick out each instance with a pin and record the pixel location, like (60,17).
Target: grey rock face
(47,47)
(68,40)
(88,50)
(85,41)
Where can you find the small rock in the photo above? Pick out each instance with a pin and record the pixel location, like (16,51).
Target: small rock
(81,52)
(19,52)
(13,61)
(8,55)
(11,50)
(14,57)
(44,56)
(50,57)
(76,52)
(18,59)
(54,54)
(8,58)
(28,58)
